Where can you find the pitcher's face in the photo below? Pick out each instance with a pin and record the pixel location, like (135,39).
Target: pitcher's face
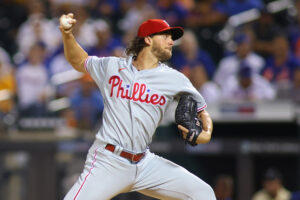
(162,47)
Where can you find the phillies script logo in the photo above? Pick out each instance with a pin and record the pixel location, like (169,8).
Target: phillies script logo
(138,93)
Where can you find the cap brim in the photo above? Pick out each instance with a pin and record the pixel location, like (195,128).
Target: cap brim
(176,32)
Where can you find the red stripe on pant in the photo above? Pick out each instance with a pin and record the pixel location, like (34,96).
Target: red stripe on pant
(94,160)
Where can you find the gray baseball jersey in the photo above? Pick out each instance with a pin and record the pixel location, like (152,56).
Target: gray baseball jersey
(135,101)
(134,104)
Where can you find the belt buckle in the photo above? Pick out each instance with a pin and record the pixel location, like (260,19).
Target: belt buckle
(131,159)
(139,156)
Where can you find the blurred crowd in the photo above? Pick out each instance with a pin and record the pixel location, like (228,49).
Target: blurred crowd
(241,50)
(272,187)
(232,50)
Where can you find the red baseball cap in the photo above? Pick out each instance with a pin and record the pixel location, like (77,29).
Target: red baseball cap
(153,26)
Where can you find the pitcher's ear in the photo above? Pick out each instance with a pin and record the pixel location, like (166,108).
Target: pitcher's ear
(148,40)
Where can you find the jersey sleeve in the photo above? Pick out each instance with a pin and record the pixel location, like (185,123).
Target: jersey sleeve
(97,67)
(187,87)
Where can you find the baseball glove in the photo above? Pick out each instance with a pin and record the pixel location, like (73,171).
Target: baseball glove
(186,116)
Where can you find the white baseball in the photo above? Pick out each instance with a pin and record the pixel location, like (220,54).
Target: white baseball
(65,22)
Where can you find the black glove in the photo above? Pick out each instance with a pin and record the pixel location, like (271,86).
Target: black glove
(186,116)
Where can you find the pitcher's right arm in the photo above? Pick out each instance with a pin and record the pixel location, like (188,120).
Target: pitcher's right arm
(74,53)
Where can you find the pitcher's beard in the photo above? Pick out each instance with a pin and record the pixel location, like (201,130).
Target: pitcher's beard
(161,54)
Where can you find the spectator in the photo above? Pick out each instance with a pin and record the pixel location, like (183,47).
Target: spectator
(105,9)
(206,13)
(173,12)
(87,104)
(279,67)
(207,18)
(209,90)
(32,79)
(247,86)
(106,41)
(230,65)
(224,187)
(265,30)
(7,88)
(190,55)
(37,28)
(138,12)
(12,15)
(272,187)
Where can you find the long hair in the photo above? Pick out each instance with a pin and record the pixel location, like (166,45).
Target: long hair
(135,46)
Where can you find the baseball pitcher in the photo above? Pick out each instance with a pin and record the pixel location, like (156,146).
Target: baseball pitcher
(136,92)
